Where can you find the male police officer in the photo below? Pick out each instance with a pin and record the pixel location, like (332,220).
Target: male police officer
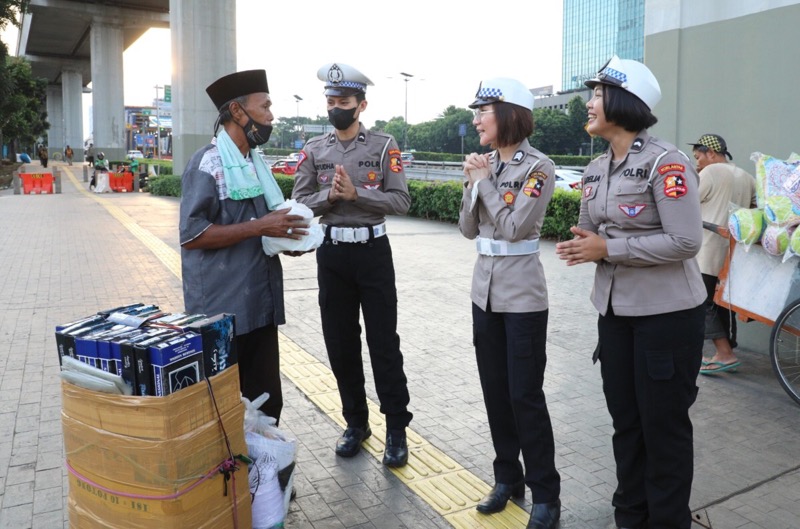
(353,178)
(721,184)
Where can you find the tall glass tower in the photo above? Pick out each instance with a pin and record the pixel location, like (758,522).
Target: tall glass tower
(594,30)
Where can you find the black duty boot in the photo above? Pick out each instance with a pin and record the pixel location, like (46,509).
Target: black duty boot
(497,498)
(396,453)
(545,515)
(349,443)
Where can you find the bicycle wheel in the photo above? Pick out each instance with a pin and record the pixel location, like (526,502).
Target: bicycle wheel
(784,349)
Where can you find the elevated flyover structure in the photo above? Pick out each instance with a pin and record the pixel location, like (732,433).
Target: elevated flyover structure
(72,43)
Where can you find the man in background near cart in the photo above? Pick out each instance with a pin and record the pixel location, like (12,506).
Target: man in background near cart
(721,184)
(228,203)
(354,178)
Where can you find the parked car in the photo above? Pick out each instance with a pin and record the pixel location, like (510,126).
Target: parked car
(134,154)
(407,158)
(286,166)
(568,179)
(294,156)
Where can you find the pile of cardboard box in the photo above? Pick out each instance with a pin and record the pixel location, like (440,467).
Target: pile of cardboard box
(146,461)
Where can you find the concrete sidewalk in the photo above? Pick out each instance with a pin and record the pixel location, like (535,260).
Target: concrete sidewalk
(67,255)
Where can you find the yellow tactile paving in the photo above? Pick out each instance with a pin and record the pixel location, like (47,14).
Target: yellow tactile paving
(439,480)
(512,517)
(165,254)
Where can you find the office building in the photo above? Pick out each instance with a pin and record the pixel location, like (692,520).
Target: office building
(729,67)
(594,30)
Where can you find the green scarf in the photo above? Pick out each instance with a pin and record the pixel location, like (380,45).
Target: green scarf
(239,178)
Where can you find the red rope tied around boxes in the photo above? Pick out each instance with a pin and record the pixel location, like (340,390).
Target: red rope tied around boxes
(229,465)
(227,468)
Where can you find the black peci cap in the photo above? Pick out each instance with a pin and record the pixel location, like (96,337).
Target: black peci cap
(236,85)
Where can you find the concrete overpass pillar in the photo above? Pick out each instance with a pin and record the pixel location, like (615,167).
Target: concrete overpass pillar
(203,50)
(55,117)
(108,102)
(71,92)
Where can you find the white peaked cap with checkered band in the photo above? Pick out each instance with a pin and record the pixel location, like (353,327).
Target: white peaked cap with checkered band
(631,76)
(503,90)
(343,80)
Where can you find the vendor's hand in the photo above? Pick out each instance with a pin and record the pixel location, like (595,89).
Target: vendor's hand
(586,247)
(280,224)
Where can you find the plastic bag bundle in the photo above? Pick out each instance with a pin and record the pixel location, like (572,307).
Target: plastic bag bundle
(276,245)
(780,210)
(267,496)
(264,439)
(776,239)
(778,178)
(746,225)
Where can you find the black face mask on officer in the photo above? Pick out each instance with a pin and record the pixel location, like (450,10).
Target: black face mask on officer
(257,134)
(342,118)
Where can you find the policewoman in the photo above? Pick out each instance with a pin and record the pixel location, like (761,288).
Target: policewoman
(505,197)
(640,223)
(353,178)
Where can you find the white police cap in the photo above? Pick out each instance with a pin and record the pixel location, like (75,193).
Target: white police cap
(631,76)
(343,80)
(503,90)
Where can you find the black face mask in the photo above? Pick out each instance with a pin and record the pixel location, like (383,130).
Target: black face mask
(257,134)
(341,118)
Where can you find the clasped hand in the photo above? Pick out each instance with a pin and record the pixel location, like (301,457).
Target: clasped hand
(476,168)
(342,187)
(585,247)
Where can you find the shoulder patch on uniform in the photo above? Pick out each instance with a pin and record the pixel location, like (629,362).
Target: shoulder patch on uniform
(395,161)
(669,167)
(302,157)
(538,174)
(533,187)
(674,186)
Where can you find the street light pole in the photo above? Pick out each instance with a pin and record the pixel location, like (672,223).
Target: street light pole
(297,100)
(405,124)
(158,126)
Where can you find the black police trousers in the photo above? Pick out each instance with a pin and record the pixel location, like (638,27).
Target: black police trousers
(259,368)
(511,355)
(355,276)
(649,366)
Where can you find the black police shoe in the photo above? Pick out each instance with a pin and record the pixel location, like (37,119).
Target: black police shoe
(396,453)
(545,515)
(497,498)
(349,443)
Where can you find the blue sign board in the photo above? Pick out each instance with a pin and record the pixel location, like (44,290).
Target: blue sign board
(462,130)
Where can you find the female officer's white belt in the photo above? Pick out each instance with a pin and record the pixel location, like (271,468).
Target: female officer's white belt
(492,247)
(355,234)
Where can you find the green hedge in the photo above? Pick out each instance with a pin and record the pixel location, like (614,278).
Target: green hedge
(442,201)
(430,200)
(167,185)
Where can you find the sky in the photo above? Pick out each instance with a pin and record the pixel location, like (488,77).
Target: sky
(448,46)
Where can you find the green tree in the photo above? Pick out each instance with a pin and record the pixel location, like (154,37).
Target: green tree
(9,10)
(441,134)
(23,117)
